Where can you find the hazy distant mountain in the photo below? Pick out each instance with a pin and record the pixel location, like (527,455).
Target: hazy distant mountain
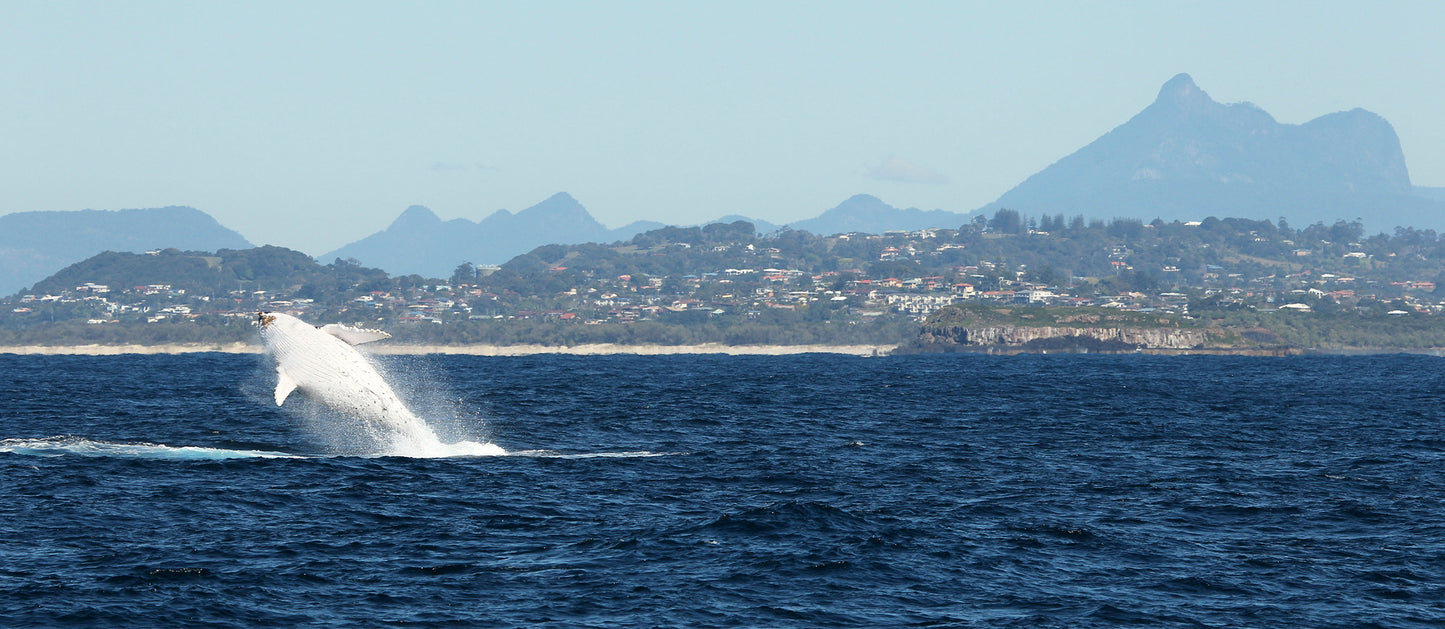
(760,225)
(1427,192)
(418,242)
(34,245)
(1188,157)
(866,213)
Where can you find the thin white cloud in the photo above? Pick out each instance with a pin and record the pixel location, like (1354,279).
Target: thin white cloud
(897,169)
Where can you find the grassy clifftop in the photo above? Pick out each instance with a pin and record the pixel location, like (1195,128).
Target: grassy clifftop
(979,314)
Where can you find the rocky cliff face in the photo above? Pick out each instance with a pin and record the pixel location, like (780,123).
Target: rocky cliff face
(971,338)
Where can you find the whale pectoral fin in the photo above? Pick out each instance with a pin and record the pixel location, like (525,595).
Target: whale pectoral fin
(353,336)
(284,386)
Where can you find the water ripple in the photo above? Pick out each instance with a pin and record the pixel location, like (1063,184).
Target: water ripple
(715,491)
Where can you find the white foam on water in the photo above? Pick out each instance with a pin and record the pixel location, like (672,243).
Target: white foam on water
(77,446)
(439,450)
(553,454)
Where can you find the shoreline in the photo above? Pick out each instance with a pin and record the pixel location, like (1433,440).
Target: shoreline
(615,349)
(596,349)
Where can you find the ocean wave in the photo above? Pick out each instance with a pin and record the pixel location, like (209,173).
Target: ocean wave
(78,446)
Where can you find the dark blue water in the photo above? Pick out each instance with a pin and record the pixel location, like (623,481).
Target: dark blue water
(1027,491)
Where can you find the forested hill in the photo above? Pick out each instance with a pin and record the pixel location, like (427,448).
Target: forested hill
(268,269)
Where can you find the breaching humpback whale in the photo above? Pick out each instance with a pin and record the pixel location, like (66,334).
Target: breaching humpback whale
(323,365)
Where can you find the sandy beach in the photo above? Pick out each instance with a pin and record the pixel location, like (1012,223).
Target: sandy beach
(600,349)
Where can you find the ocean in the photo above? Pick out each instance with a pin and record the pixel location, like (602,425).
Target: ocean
(732,491)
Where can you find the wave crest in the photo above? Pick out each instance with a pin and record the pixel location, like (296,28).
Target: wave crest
(78,446)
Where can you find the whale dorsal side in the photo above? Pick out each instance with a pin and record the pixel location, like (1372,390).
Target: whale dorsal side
(353,336)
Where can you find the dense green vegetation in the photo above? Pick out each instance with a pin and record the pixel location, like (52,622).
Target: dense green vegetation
(216,274)
(1329,331)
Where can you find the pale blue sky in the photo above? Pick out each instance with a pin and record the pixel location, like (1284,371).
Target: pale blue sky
(313,124)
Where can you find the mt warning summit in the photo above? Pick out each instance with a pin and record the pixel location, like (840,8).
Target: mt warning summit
(1186,157)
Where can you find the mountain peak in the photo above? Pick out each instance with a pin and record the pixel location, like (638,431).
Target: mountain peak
(1186,156)
(862,198)
(560,206)
(414,217)
(869,214)
(1182,92)
(420,243)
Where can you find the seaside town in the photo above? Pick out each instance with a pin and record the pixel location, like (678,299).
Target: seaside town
(728,275)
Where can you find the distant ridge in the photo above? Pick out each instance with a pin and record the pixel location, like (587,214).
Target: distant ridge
(869,214)
(760,225)
(418,242)
(1186,156)
(33,245)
